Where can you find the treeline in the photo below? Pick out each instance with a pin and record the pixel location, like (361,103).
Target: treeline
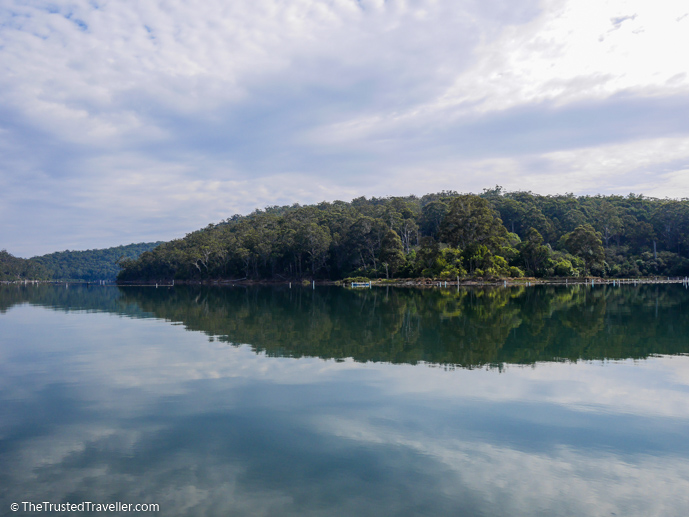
(443,235)
(14,269)
(89,265)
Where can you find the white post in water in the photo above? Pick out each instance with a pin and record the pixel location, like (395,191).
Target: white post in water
(314,284)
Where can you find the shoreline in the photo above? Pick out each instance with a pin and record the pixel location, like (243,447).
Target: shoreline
(398,282)
(422,282)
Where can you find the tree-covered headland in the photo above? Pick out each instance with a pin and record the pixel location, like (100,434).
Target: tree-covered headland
(91,265)
(13,269)
(443,235)
(88,265)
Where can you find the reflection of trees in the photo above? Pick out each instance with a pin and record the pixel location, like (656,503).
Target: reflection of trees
(467,328)
(77,297)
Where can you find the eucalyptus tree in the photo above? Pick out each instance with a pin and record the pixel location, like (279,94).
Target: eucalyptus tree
(470,220)
(391,253)
(533,253)
(586,242)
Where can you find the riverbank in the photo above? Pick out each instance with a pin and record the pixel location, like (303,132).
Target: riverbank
(422,282)
(396,282)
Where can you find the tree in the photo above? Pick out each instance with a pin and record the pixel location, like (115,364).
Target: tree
(534,254)
(14,268)
(364,240)
(391,253)
(607,219)
(315,241)
(432,216)
(427,256)
(586,242)
(671,219)
(470,221)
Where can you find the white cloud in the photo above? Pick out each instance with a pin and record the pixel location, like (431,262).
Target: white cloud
(244,104)
(580,50)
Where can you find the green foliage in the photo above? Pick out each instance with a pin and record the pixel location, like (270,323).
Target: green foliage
(515,272)
(471,222)
(534,255)
(586,243)
(391,253)
(564,267)
(14,269)
(497,233)
(91,265)
(451,264)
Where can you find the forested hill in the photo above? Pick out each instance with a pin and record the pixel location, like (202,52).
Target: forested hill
(14,268)
(90,265)
(443,235)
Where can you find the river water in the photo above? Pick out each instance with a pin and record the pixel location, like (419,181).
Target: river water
(552,401)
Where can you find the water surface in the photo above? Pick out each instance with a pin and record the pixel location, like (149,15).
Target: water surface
(276,401)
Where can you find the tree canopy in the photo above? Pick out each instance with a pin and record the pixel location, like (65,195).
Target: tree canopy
(89,265)
(442,235)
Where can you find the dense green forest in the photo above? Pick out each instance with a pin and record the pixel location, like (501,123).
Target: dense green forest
(14,268)
(89,265)
(443,235)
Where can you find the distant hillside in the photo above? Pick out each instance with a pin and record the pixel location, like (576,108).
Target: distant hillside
(14,268)
(90,265)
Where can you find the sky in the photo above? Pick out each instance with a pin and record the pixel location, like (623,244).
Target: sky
(136,121)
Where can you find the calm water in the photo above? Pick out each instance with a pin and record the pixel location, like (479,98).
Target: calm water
(271,401)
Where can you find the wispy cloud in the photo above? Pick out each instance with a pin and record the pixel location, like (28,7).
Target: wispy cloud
(114,114)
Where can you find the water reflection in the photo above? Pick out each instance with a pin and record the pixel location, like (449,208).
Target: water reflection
(97,406)
(467,328)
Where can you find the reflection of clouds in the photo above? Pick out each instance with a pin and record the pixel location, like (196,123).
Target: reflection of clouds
(273,461)
(145,411)
(562,482)
(172,358)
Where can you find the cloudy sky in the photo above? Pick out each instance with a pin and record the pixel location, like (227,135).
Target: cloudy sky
(133,121)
